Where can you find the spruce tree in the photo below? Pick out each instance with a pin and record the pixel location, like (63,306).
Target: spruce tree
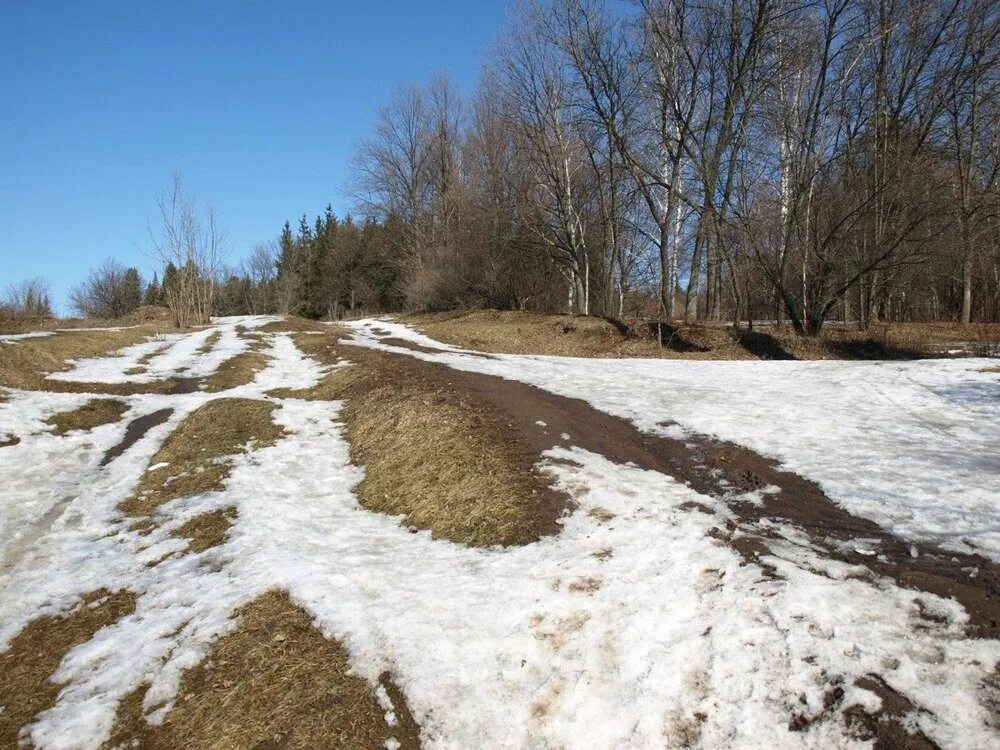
(169,280)
(131,291)
(152,296)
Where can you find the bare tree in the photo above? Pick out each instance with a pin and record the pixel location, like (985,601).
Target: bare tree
(27,299)
(192,243)
(110,291)
(551,150)
(260,268)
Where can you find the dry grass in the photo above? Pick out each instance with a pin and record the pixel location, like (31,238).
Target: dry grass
(529,333)
(207,529)
(195,454)
(92,414)
(273,682)
(242,368)
(210,342)
(433,453)
(236,371)
(25,364)
(143,314)
(295,324)
(35,654)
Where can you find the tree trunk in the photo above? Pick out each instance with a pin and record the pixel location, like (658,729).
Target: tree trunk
(966,291)
(691,295)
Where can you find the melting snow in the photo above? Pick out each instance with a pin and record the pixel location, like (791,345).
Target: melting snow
(914,446)
(634,626)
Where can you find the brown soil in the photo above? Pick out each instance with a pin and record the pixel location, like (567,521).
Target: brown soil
(92,414)
(35,654)
(135,431)
(434,451)
(273,682)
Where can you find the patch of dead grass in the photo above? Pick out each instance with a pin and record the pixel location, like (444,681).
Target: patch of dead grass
(207,530)
(35,654)
(294,324)
(579,336)
(92,414)
(196,453)
(273,682)
(25,364)
(210,342)
(433,452)
(236,371)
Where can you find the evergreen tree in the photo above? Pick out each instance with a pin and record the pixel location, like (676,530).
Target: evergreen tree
(169,280)
(152,296)
(132,290)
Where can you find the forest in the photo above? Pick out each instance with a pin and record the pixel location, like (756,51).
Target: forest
(788,161)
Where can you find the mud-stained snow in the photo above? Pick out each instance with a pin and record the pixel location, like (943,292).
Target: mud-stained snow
(913,446)
(633,626)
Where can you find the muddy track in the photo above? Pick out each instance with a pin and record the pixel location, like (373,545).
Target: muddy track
(135,430)
(725,470)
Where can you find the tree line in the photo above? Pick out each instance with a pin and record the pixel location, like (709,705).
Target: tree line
(793,161)
(771,159)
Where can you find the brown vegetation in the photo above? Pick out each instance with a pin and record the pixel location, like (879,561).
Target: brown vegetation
(92,414)
(25,364)
(579,336)
(433,452)
(35,653)
(194,456)
(207,530)
(236,371)
(273,682)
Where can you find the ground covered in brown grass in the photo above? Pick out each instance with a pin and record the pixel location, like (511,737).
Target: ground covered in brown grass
(193,458)
(92,414)
(24,364)
(26,668)
(434,452)
(273,682)
(578,336)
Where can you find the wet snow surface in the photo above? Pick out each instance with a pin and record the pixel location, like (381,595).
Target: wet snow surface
(631,627)
(913,446)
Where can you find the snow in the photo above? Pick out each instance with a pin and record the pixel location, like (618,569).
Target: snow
(913,446)
(10,338)
(634,626)
(168,355)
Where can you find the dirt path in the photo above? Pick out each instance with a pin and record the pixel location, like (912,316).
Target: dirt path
(728,471)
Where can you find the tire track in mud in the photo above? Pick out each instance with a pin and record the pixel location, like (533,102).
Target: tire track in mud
(726,471)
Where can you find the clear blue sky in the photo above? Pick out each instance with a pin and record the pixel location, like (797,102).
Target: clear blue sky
(257,104)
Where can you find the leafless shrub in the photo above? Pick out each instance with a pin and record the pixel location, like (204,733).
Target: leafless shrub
(27,299)
(110,291)
(190,242)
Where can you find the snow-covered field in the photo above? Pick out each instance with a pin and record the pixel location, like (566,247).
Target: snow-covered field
(914,446)
(641,631)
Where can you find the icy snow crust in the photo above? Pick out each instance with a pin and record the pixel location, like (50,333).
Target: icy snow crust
(913,446)
(640,631)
